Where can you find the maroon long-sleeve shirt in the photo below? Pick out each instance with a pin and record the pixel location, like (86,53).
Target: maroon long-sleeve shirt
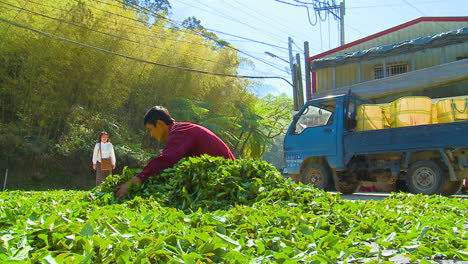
(186,140)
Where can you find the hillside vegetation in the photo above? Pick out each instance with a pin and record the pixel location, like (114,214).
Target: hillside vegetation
(62,81)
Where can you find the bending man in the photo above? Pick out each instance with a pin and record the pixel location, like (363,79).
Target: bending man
(183,140)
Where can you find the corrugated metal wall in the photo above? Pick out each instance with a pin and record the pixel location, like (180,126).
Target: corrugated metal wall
(349,74)
(421,29)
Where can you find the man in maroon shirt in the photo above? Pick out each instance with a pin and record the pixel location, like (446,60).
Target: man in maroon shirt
(183,140)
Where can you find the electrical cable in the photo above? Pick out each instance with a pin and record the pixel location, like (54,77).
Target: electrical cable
(294,43)
(138,59)
(394,5)
(254,14)
(414,7)
(137,42)
(137,7)
(227,17)
(115,36)
(321,37)
(329,37)
(283,2)
(191,42)
(128,25)
(308,18)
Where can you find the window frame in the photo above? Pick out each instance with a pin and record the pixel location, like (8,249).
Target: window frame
(392,69)
(320,106)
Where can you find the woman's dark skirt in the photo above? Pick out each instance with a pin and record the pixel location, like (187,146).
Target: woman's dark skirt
(100,174)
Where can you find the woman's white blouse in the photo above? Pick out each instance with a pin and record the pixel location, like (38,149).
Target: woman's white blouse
(107,151)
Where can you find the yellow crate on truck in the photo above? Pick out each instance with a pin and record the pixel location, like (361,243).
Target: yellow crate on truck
(434,118)
(387,114)
(452,110)
(411,111)
(369,117)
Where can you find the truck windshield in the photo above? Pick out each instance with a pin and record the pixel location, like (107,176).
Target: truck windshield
(315,115)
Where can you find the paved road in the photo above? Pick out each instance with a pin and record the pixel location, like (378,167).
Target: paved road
(381,196)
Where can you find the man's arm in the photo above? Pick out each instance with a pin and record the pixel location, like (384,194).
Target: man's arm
(177,146)
(124,187)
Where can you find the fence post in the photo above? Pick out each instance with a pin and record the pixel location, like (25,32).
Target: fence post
(5,181)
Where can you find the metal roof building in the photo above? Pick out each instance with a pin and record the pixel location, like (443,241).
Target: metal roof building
(426,56)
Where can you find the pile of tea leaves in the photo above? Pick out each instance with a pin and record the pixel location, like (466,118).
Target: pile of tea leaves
(205,182)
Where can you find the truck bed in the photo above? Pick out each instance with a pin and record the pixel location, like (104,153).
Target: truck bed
(402,139)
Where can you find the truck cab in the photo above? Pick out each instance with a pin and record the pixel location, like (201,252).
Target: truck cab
(311,145)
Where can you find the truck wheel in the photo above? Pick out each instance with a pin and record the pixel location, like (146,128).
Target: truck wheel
(452,187)
(317,175)
(426,177)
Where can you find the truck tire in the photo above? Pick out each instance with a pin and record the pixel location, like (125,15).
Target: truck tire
(426,177)
(452,187)
(317,175)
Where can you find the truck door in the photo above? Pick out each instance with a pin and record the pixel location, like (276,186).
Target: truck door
(313,133)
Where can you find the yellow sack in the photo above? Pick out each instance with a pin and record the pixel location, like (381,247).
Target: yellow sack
(369,117)
(411,111)
(387,114)
(452,110)
(434,119)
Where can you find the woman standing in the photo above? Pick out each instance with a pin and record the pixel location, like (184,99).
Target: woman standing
(103,158)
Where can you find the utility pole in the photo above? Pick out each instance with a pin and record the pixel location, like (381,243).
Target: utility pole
(341,8)
(299,86)
(308,81)
(293,74)
(342,13)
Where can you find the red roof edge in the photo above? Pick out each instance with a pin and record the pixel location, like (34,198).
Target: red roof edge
(388,31)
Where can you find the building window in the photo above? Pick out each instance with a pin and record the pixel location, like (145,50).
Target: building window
(392,69)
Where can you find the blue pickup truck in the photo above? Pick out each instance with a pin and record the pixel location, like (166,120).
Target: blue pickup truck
(322,148)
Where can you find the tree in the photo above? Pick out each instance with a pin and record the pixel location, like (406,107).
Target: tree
(162,7)
(194,24)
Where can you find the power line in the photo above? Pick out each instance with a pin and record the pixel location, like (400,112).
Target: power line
(228,17)
(145,10)
(252,13)
(140,8)
(283,2)
(137,42)
(115,36)
(415,8)
(138,59)
(395,5)
(138,21)
(145,35)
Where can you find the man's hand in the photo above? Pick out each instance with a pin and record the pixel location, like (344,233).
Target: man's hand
(94,166)
(123,188)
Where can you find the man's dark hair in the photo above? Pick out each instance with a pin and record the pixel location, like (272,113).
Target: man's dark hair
(156,113)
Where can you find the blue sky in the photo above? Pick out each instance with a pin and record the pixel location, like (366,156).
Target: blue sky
(273,22)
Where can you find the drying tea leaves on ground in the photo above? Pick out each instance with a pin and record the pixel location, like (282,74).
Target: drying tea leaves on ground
(263,220)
